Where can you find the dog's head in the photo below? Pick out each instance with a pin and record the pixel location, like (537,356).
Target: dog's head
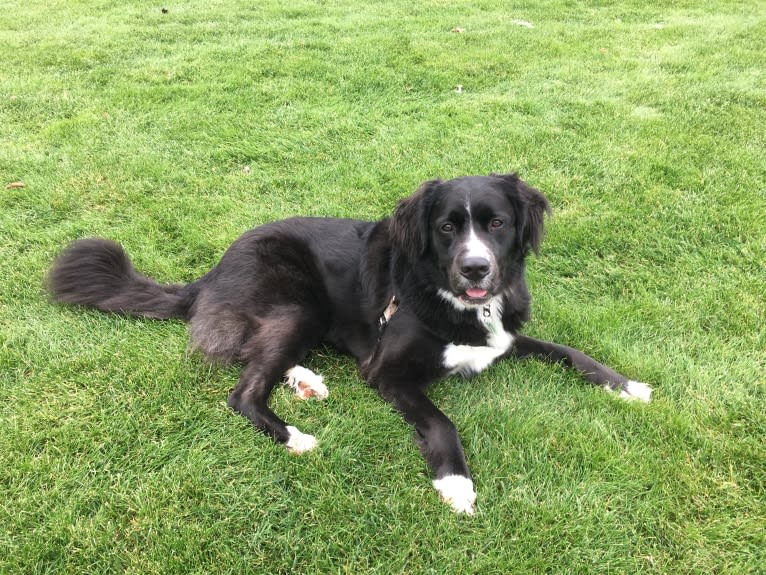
(471,234)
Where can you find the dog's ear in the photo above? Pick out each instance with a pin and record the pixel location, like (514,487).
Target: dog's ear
(409,224)
(532,207)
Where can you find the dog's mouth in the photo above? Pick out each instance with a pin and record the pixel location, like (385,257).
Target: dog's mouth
(475,295)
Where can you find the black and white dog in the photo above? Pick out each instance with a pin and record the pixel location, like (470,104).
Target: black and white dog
(436,289)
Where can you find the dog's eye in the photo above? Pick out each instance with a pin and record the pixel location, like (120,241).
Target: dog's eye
(496,223)
(448,228)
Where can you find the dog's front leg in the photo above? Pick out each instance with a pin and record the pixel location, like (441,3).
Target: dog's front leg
(593,371)
(438,441)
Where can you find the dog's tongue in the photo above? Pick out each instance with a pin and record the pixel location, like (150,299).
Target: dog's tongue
(475,293)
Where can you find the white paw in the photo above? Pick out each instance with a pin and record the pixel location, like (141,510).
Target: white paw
(457,490)
(306,383)
(299,442)
(636,390)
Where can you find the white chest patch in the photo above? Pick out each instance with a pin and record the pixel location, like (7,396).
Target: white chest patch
(468,360)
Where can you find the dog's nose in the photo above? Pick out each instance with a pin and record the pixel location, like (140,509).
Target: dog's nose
(474,268)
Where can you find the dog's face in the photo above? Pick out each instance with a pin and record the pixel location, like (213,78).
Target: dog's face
(471,235)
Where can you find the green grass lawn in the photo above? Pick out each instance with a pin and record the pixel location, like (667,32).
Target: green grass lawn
(645,125)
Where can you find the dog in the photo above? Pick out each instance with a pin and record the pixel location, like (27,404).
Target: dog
(438,288)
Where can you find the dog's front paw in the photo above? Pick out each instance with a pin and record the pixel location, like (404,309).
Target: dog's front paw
(635,390)
(306,383)
(457,490)
(299,442)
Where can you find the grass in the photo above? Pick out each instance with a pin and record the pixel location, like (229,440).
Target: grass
(643,123)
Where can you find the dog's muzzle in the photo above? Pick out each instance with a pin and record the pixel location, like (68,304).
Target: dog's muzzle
(474,268)
(472,278)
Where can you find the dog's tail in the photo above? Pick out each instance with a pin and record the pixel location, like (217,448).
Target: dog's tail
(98,273)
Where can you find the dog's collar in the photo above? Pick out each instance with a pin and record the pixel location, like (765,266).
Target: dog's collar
(387,314)
(393,305)
(486,317)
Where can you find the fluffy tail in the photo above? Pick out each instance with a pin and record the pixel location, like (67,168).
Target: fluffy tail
(96,272)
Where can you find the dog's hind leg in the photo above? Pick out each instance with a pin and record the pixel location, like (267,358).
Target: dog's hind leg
(280,341)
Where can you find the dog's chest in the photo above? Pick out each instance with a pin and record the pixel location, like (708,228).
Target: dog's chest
(468,360)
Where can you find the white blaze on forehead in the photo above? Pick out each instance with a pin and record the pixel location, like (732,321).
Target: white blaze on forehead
(474,246)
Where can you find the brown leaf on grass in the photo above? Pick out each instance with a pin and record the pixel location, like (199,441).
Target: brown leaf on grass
(14,186)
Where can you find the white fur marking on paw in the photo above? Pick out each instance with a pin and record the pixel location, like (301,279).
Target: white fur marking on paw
(299,442)
(457,490)
(636,390)
(306,383)
(468,360)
